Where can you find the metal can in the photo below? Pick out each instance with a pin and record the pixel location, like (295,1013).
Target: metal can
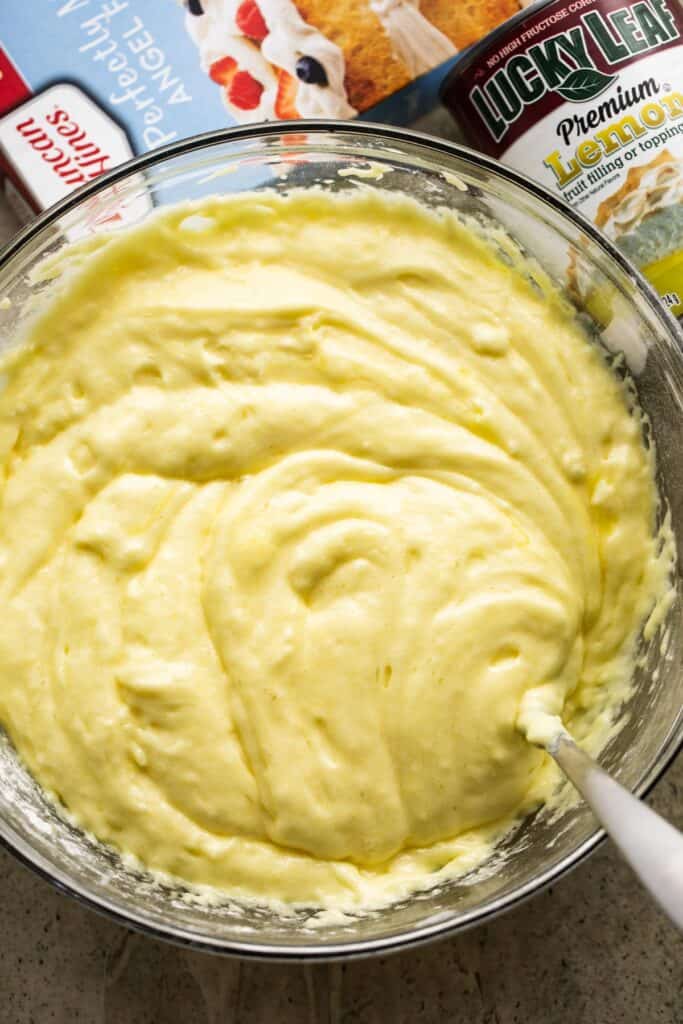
(586,96)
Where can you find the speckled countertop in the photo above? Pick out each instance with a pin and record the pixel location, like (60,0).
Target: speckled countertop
(591,950)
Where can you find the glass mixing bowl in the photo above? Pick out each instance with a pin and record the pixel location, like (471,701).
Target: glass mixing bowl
(623,312)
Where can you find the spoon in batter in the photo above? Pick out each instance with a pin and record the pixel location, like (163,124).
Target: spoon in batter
(649,844)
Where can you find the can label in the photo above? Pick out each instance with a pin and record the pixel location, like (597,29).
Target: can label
(587,97)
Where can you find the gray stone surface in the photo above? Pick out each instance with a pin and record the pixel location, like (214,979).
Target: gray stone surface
(591,950)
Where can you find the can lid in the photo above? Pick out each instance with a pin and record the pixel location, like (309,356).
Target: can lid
(475,51)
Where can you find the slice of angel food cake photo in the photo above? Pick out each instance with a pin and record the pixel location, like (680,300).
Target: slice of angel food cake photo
(285,59)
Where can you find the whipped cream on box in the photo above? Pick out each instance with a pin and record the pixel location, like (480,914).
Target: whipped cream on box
(213,34)
(289,38)
(418,43)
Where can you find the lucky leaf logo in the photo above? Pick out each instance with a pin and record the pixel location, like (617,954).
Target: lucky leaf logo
(584,84)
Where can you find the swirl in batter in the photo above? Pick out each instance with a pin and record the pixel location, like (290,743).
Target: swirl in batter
(300,496)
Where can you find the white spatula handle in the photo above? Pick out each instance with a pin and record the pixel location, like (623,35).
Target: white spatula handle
(652,847)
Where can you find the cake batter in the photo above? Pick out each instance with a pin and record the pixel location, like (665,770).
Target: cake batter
(300,496)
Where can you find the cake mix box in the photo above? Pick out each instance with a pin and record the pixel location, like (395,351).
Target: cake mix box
(86,84)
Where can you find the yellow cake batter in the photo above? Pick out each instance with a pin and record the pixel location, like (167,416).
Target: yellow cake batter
(300,496)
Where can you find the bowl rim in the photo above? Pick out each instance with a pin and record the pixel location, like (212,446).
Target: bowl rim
(150,923)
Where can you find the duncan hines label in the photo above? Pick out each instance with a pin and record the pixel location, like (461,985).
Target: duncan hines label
(587,97)
(58,141)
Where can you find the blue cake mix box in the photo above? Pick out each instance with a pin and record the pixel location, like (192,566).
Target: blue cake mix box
(87,84)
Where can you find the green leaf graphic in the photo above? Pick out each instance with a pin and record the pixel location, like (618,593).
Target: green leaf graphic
(584,84)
